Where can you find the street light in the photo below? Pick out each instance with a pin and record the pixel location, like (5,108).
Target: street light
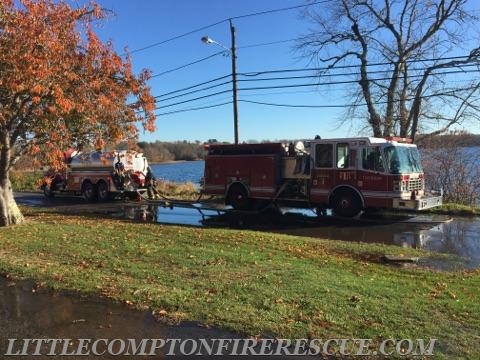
(208,40)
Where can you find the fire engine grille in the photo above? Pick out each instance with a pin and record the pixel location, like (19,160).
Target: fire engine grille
(415,184)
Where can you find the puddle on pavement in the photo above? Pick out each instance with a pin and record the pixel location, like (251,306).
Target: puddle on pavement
(459,237)
(166,215)
(26,313)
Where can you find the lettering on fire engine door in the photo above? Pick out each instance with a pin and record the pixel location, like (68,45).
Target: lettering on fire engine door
(321,179)
(346,175)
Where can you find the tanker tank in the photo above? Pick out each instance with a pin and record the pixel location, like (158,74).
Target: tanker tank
(131,160)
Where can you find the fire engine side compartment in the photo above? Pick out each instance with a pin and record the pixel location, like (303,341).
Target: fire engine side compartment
(259,174)
(257,166)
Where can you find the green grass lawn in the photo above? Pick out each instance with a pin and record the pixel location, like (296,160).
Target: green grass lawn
(254,283)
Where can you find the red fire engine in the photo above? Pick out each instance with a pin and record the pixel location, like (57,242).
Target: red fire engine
(346,175)
(99,175)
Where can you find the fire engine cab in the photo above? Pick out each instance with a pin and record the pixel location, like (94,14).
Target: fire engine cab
(346,175)
(98,175)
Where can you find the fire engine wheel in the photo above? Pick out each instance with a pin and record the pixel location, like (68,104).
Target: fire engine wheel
(346,203)
(238,197)
(102,191)
(89,192)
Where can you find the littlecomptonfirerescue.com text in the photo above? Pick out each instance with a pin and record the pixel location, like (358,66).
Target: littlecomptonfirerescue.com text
(220,347)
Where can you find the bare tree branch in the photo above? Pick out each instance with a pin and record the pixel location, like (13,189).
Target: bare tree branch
(392,34)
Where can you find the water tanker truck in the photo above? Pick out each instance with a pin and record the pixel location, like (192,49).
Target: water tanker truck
(99,175)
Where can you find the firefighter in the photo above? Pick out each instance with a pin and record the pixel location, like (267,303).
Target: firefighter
(119,175)
(151,184)
(291,149)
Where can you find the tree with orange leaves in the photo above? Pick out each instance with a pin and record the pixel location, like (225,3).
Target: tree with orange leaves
(61,86)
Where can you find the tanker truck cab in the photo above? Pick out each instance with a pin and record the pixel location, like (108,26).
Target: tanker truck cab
(98,176)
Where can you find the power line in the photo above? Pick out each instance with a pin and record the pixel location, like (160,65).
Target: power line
(352,81)
(450,92)
(284,93)
(265,44)
(221,22)
(193,109)
(296,106)
(291,105)
(326,68)
(176,37)
(195,91)
(187,65)
(253,74)
(266,12)
(346,74)
(283,86)
(192,86)
(305,85)
(218,53)
(194,99)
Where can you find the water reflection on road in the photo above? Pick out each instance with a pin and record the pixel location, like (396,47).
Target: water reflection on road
(26,314)
(30,313)
(460,237)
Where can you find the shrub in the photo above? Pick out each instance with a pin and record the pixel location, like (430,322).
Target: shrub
(170,189)
(456,170)
(25,180)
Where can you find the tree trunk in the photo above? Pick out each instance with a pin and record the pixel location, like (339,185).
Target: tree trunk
(9,212)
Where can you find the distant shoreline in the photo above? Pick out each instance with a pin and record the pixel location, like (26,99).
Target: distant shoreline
(172,162)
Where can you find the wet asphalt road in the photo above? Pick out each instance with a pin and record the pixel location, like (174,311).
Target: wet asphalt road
(30,312)
(37,199)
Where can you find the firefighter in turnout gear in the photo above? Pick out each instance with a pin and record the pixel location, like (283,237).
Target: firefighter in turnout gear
(151,185)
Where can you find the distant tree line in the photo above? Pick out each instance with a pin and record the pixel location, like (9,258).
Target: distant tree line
(460,138)
(162,151)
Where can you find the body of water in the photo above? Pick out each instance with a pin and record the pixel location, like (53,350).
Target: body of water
(184,171)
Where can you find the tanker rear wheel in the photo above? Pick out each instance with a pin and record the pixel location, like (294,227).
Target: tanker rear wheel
(102,191)
(89,192)
(238,197)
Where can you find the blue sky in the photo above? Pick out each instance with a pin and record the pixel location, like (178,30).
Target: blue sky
(139,24)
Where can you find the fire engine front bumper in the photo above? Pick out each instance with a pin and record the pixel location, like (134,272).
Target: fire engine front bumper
(425,202)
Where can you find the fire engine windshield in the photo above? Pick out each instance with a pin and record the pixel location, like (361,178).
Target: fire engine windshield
(403,159)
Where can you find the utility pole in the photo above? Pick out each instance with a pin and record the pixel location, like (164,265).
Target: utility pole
(234,82)
(232,50)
